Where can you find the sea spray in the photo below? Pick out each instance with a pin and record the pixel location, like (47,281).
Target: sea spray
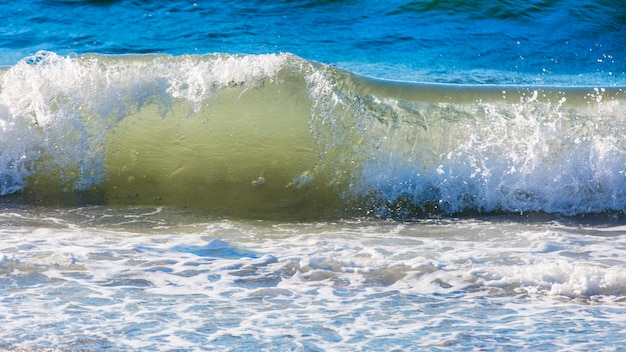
(243,134)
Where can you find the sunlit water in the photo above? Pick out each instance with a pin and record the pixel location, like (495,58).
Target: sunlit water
(312,175)
(154,279)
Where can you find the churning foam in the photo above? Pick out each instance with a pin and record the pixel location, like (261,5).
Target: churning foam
(87,280)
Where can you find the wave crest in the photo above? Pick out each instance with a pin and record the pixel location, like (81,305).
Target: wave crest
(277,133)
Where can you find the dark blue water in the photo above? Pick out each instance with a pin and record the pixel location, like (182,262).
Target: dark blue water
(489,41)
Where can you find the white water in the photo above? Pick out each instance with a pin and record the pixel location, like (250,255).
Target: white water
(158,279)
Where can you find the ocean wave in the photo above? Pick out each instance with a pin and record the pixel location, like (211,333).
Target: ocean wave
(277,134)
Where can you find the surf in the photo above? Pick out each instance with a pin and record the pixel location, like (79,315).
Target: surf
(278,135)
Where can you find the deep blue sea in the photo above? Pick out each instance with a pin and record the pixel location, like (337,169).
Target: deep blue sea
(312,175)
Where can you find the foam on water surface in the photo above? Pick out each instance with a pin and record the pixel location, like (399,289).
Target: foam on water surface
(94,282)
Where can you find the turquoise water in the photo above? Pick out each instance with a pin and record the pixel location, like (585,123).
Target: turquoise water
(312,175)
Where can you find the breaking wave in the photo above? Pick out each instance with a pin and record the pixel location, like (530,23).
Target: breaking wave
(277,134)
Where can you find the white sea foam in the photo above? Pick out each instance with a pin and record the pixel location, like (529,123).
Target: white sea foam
(531,155)
(349,285)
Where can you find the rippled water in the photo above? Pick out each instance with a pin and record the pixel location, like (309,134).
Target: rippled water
(551,42)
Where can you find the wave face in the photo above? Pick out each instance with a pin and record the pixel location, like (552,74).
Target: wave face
(277,134)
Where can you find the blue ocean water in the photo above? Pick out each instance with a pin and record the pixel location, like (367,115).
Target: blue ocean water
(520,42)
(312,175)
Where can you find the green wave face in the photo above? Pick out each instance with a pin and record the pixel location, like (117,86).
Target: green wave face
(230,134)
(278,136)
(243,150)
